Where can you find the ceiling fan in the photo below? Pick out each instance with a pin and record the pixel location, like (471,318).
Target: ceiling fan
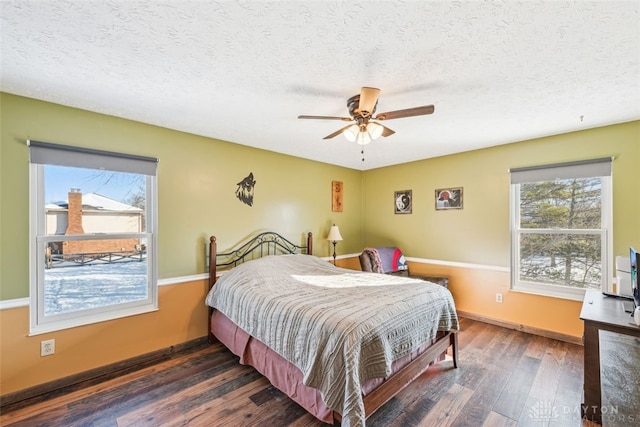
(366,127)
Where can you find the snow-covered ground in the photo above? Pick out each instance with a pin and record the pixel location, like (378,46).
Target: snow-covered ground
(77,288)
(584,273)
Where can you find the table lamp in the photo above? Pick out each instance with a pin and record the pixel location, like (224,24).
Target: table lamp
(334,237)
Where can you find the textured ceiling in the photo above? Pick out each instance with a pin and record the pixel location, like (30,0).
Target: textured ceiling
(497,72)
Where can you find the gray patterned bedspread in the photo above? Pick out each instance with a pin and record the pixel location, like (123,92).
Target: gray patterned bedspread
(340,327)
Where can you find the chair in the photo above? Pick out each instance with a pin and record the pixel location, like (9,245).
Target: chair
(391,260)
(386,260)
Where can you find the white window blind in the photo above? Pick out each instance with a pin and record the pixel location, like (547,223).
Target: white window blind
(567,170)
(47,153)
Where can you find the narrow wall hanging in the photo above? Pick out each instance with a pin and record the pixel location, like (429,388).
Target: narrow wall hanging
(336,196)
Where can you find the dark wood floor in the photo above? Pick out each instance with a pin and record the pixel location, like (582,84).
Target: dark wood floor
(505,378)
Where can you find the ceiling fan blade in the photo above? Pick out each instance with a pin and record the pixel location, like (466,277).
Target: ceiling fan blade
(338,132)
(409,112)
(386,131)
(344,119)
(368,100)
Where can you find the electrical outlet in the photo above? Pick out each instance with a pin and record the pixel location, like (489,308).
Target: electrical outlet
(499,298)
(48,347)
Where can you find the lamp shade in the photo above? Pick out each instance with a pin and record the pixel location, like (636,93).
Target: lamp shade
(363,133)
(334,234)
(351,133)
(363,137)
(375,130)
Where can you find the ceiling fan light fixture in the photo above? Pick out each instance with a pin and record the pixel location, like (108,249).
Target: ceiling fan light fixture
(374,130)
(361,111)
(351,133)
(363,137)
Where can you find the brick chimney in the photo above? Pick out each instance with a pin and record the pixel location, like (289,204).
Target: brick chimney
(74,216)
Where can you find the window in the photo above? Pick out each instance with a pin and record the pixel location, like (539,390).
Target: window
(561,228)
(92,236)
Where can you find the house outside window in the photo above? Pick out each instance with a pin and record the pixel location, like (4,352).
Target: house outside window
(561,228)
(92,255)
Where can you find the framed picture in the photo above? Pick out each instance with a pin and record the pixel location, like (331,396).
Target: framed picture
(402,202)
(449,198)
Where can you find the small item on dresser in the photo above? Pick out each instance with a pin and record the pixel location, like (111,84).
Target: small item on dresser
(636,316)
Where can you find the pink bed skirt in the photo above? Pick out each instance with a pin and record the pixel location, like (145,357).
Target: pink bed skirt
(280,372)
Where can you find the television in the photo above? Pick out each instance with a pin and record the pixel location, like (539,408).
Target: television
(635,277)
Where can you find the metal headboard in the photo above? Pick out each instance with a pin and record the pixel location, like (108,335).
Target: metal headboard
(266,243)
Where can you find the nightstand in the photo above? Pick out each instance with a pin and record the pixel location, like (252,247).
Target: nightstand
(439,280)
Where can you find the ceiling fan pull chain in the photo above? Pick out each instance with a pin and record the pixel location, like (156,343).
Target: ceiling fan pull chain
(362,152)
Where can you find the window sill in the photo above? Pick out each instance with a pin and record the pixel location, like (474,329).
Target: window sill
(89,320)
(561,292)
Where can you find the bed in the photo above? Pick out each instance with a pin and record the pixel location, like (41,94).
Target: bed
(339,342)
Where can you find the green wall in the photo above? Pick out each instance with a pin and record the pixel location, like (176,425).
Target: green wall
(197,180)
(479,233)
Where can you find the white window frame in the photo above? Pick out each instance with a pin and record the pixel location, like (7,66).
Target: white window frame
(55,154)
(587,168)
